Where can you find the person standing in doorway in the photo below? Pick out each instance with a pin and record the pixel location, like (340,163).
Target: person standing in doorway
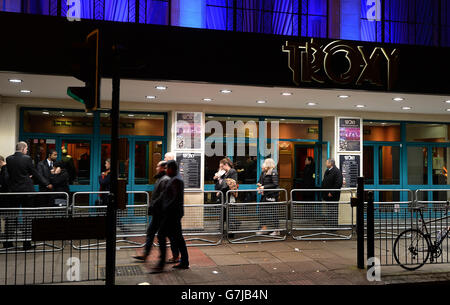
(105,182)
(172,211)
(44,169)
(332,179)
(309,179)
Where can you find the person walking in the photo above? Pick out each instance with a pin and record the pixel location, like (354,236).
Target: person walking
(44,169)
(172,212)
(20,170)
(332,179)
(268,180)
(155,210)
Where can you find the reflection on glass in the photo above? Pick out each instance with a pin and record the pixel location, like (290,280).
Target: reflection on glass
(38,149)
(440,157)
(417,165)
(212,163)
(294,129)
(389,162)
(147,156)
(60,121)
(106,154)
(368,164)
(381,131)
(437,133)
(245,164)
(76,155)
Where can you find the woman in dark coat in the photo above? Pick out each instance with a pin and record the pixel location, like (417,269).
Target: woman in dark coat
(309,180)
(229,178)
(268,180)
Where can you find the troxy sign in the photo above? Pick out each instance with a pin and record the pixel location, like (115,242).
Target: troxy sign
(314,62)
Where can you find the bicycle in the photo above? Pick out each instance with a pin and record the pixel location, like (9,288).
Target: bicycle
(413,247)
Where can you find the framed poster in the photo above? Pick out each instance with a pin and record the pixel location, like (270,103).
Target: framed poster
(188,128)
(349,166)
(349,135)
(190,169)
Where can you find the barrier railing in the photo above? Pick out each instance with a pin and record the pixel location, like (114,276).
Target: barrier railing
(17,212)
(391,216)
(131,222)
(251,218)
(321,220)
(203,221)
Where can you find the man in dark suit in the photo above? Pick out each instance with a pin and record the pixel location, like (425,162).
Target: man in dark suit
(44,169)
(332,179)
(5,201)
(20,170)
(172,212)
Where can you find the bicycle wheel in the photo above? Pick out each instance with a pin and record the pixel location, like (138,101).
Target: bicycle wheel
(411,249)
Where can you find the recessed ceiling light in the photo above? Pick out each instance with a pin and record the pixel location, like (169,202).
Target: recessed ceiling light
(282,119)
(15,80)
(89,113)
(131,115)
(150,97)
(210,117)
(360,106)
(45,112)
(343,96)
(286,93)
(383,123)
(226,91)
(447,101)
(406,108)
(311,104)
(448,109)
(161,87)
(398,99)
(62,115)
(207,99)
(261,102)
(25,91)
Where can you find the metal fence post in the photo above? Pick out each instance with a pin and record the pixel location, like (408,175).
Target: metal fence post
(370,227)
(360,223)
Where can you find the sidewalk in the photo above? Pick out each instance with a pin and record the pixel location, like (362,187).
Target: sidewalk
(275,263)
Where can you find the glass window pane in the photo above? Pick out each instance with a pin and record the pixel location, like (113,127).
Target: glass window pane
(389,162)
(368,164)
(238,126)
(417,165)
(136,124)
(441,157)
(295,129)
(212,163)
(77,158)
(245,165)
(39,148)
(147,156)
(381,131)
(428,132)
(60,121)
(106,154)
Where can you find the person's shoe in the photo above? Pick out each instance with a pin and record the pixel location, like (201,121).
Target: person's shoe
(157,269)
(8,244)
(28,246)
(180,266)
(140,257)
(173,260)
(275,233)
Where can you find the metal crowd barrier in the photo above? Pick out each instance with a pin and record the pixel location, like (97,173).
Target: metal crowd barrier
(16,221)
(320,218)
(249,217)
(203,221)
(131,222)
(392,217)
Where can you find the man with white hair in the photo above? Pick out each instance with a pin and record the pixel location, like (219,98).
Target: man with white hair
(169,156)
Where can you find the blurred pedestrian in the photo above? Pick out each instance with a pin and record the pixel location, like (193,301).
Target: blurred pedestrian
(155,210)
(172,212)
(268,180)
